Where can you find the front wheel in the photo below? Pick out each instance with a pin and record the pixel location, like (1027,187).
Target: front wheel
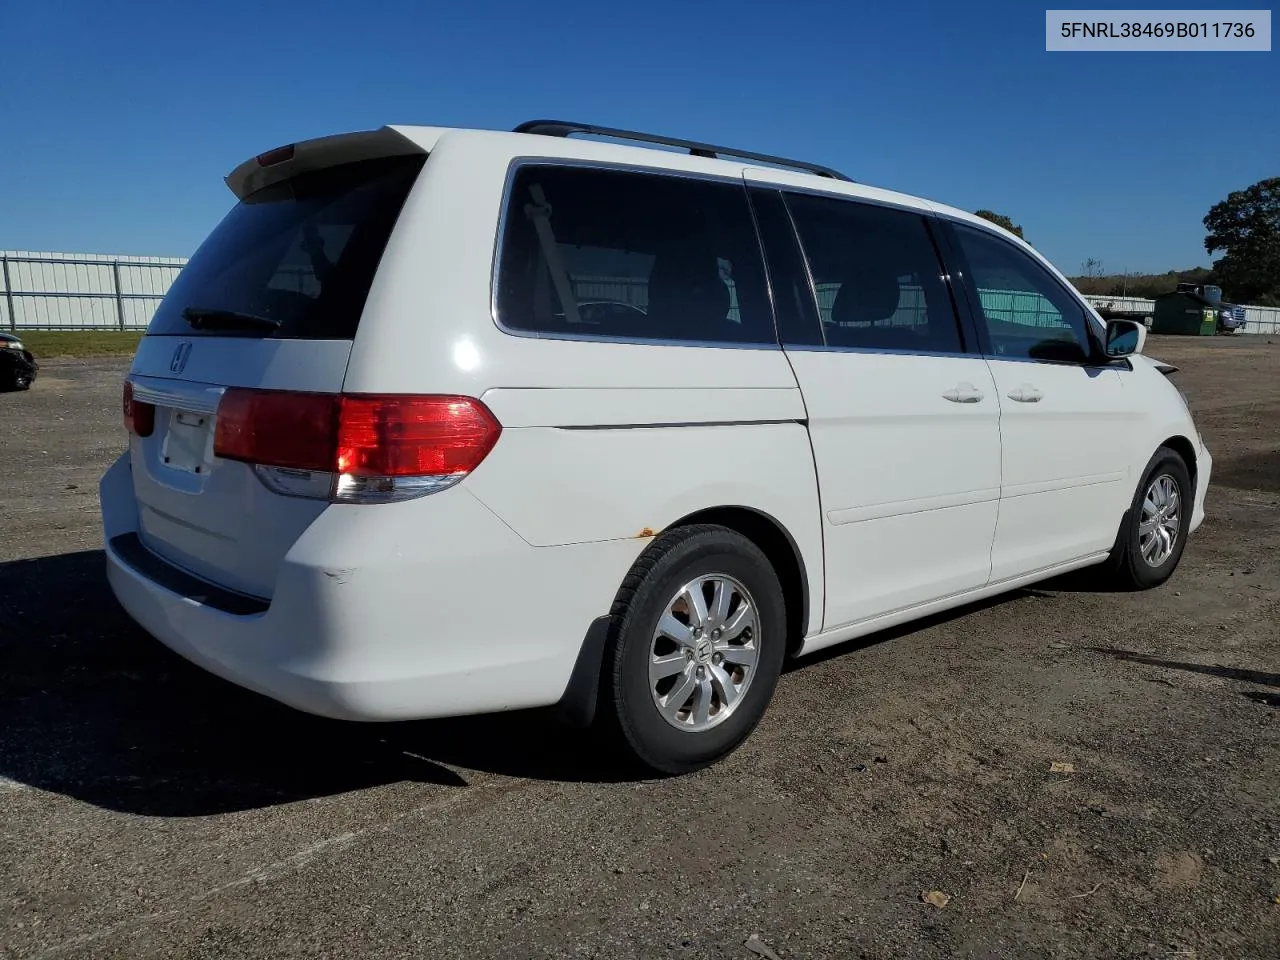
(14,380)
(1154,531)
(698,646)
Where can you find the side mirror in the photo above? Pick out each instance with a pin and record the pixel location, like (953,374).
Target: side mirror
(1125,337)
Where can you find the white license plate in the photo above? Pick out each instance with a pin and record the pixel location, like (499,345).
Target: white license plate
(187,442)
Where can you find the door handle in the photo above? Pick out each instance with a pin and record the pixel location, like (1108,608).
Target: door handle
(1025,393)
(964,393)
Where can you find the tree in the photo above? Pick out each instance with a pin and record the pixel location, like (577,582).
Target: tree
(1000,220)
(1093,278)
(1246,226)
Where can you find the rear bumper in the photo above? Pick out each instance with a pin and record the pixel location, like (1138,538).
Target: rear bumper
(427,608)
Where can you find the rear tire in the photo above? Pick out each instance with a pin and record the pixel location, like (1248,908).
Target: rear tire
(1154,531)
(698,644)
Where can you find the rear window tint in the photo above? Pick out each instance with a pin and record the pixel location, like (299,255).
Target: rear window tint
(301,253)
(638,256)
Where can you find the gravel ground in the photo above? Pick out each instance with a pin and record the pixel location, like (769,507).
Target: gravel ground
(149,810)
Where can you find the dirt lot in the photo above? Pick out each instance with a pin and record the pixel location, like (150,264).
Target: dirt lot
(149,810)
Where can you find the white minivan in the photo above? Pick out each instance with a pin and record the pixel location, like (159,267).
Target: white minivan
(442,422)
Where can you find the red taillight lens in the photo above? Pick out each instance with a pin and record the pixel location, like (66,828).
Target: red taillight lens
(139,418)
(413,436)
(360,436)
(278,429)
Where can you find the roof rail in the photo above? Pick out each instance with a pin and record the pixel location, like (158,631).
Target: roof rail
(564,128)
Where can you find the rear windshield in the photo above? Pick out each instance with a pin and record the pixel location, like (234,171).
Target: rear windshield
(295,259)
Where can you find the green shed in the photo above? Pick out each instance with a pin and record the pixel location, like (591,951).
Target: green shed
(1187,311)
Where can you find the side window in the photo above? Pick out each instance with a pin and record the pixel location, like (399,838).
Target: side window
(636,255)
(877,277)
(1027,313)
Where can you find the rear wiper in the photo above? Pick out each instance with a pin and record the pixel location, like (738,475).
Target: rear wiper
(210,318)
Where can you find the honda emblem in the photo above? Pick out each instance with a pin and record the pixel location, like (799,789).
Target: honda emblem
(180,355)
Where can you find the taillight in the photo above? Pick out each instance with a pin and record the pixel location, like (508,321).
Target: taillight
(139,417)
(276,429)
(413,436)
(368,448)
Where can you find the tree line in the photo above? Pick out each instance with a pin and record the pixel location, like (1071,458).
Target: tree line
(1244,227)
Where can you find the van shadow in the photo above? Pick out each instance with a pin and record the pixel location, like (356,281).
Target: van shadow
(913,626)
(93,708)
(1261,678)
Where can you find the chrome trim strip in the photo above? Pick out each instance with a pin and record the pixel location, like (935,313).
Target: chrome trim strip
(196,397)
(638,341)
(892,351)
(1086,365)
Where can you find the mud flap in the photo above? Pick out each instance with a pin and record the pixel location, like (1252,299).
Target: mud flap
(577,705)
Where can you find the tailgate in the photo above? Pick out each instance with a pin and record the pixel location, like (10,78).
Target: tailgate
(271,301)
(210,516)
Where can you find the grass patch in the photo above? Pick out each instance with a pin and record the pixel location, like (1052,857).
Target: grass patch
(46,344)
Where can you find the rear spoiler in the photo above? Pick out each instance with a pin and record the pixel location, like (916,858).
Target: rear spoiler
(306,155)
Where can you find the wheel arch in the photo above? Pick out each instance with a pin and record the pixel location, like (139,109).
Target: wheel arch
(781,549)
(577,705)
(1184,448)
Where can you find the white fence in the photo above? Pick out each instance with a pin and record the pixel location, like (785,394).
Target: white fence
(1261,320)
(74,291)
(1135,304)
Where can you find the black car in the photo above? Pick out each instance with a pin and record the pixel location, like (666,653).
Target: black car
(18,367)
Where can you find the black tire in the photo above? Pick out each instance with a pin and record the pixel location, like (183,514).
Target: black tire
(1126,569)
(12,380)
(630,712)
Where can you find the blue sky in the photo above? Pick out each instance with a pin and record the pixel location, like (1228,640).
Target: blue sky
(120,120)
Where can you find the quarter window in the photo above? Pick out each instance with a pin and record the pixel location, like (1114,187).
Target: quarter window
(640,256)
(876,276)
(1028,315)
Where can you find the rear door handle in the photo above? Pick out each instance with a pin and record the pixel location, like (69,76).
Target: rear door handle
(964,393)
(1025,393)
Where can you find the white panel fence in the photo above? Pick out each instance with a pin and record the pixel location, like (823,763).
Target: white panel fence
(70,291)
(76,291)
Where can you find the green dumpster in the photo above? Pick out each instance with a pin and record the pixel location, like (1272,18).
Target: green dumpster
(1186,313)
